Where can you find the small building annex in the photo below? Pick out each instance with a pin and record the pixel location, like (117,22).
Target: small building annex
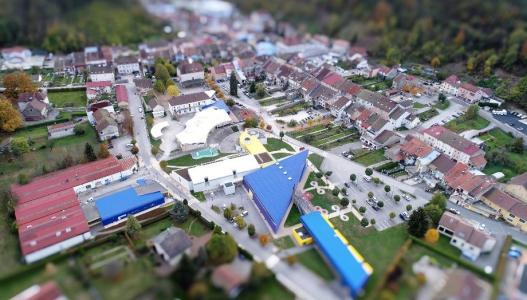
(272,187)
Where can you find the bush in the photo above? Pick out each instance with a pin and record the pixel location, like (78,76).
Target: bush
(335,191)
(251,230)
(78,130)
(364,222)
(432,235)
(23,179)
(372,222)
(362,209)
(344,202)
(264,239)
(291,260)
(292,123)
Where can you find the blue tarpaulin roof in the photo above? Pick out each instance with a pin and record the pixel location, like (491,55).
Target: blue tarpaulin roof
(273,186)
(218,104)
(351,270)
(125,202)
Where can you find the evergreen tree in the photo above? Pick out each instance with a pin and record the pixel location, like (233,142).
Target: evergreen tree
(418,223)
(89,153)
(233,85)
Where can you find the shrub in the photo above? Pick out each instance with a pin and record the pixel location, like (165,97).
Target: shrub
(364,222)
(372,221)
(335,191)
(264,239)
(362,209)
(291,260)
(251,230)
(344,202)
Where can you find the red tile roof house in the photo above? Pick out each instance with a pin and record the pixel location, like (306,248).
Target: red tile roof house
(190,73)
(121,95)
(471,93)
(93,89)
(466,183)
(454,146)
(48,213)
(465,235)
(450,85)
(33,106)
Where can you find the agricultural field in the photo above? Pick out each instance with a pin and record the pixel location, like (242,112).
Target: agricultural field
(325,137)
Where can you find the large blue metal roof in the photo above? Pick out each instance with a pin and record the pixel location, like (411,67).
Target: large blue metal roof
(124,202)
(274,185)
(351,270)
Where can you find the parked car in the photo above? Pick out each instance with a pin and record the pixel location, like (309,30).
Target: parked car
(404,216)
(346,184)
(453,210)
(244,213)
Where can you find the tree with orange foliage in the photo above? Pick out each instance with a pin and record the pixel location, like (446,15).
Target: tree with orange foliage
(432,236)
(264,239)
(10,119)
(16,83)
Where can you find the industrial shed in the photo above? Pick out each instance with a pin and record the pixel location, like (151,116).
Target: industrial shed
(132,200)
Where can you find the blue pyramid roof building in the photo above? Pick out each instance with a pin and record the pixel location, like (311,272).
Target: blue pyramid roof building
(272,187)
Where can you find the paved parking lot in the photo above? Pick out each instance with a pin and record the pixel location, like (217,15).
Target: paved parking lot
(359,191)
(240,199)
(512,121)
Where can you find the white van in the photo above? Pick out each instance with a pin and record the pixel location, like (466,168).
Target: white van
(366,178)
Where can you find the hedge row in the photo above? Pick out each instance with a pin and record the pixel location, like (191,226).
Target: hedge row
(68,89)
(461,262)
(56,121)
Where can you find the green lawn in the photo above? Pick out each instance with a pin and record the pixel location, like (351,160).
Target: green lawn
(442,105)
(497,139)
(188,161)
(377,247)
(312,177)
(281,155)
(200,196)
(308,130)
(274,144)
(312,260)
(325,201)
(68,98)
(418,105)
(460,124)
(269,290)
(292,110)
(370,158)
(427,115)
(284,243)
(294,217)
(269,102)
(193,226)
(316,159)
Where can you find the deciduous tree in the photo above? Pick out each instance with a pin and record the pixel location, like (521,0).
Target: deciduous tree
(133,227)
(418,223)
(103,151)
(16,83)
(89,154)
(19,146)
(10,119)
(173,91)
(221,248)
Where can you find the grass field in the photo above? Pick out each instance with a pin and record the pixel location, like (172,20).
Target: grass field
(294,217)
(442,105)
(274,144)
(370,158)
(324,137)
(269,102)
(316,159)
(427,115)
(68,98)
(284,243)
(292,110)
(281,155)
(312,260)
(497,139)
(188,161)
(460,124)
(377,247)
(269,290)
(418,105)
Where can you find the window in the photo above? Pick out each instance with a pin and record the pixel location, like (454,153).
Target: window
(206,179)
(522,221)
(511,215)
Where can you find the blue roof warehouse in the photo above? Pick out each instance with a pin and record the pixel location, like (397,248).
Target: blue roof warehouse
(272,187)
(129,201)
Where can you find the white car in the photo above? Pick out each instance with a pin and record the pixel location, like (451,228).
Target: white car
(140,109)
